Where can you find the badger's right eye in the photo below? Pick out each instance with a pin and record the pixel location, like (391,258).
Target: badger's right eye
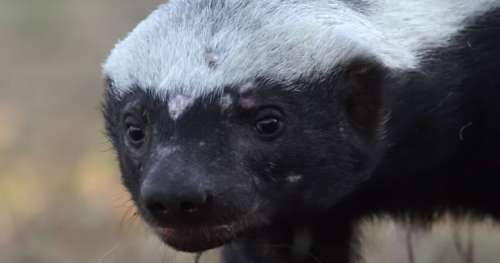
(135,132)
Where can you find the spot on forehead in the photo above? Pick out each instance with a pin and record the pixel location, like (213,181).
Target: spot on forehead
(246,100)
(178,104)
(247,103)
(246,87)
(226,101)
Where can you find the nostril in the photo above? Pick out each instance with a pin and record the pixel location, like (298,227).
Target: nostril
(157,208)
(195,204)
(168,205)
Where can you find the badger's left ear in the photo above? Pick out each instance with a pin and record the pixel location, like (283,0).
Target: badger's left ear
(364,95)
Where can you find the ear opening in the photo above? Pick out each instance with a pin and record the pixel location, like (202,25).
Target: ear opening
(365,96)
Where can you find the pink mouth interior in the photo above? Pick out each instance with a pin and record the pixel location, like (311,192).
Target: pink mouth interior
(167,232)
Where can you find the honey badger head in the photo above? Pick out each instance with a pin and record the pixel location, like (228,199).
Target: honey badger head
(231,115)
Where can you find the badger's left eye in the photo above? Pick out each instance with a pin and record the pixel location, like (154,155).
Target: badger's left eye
(269,124)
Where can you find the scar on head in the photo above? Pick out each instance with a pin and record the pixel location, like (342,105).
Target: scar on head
(212,58)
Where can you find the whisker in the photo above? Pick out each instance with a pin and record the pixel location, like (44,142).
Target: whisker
(109,252)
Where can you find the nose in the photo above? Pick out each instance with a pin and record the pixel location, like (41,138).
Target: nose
(175,204)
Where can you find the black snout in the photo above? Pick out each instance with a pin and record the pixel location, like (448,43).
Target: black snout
(176,203)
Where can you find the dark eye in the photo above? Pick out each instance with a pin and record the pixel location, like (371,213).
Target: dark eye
(135,126)
(136,134)
(268,127)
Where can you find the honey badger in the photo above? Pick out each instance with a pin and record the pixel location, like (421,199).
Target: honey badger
(271,127)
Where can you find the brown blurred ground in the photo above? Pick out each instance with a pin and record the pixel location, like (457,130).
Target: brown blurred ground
(60,196)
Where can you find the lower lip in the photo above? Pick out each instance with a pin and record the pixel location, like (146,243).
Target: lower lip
(167,232)
(173,232)
(196,239)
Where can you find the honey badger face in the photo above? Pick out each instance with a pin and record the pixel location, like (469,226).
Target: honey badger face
(203,171)
(220,131)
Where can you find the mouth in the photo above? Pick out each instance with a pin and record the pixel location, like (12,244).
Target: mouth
(200,238)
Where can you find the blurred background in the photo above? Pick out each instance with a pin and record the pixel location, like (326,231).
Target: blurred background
(60,195)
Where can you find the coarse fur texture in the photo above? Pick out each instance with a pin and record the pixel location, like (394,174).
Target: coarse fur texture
(199,46)
(273,127)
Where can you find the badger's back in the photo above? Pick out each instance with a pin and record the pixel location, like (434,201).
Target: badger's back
(196,46)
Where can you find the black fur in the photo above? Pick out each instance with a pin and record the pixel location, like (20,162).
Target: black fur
(362,142)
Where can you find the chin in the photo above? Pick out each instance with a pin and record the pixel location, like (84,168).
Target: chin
(195,239)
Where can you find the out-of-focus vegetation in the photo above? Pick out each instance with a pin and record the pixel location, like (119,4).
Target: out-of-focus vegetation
(60,194)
